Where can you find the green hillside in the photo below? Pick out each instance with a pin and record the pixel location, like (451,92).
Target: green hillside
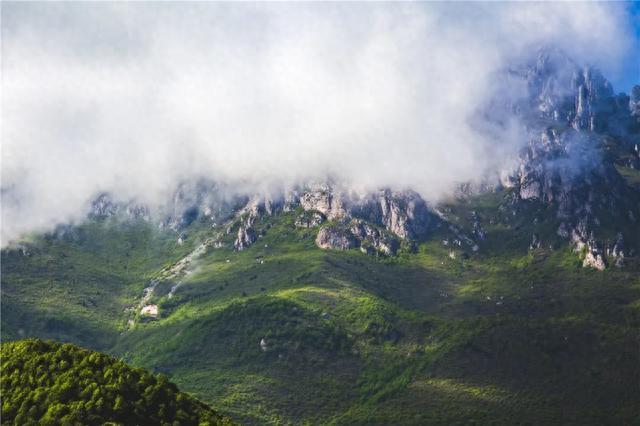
(47,383)
(286,333)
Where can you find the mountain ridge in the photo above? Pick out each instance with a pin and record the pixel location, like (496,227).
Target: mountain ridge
(514,300)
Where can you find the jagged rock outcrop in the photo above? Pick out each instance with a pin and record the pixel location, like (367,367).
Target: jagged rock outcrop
(324,198)
(337,238)
(594,259)
(535,242)
(103,206)
(574,122)
(372,240)
(401,213)
(200,199)
(634,101)
(566,163)
(357,233)
(567,170)
(563,91)
(586,244)
(257,207)
(309,219)
(245,237)
(594,101)
(617,252)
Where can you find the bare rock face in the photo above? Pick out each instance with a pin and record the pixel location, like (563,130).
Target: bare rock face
(103,207)
(309,219)
(566,92)
(405,213)
(565,164)
(246,236)
(373,221)
(594,100)
(257,207)
(594,260)
(199,200)
(332,237)
(323,198)
(358,233)
(593,254)
(401,213)
(617,252)
(569,173)
(535,242)
(373,240)
(634,101)
(566,170)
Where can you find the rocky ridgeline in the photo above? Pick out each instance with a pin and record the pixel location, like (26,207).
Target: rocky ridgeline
(357,234)
(256,208)
(572,112)
(563,91)
(374,222)
(572,117)
(103,207)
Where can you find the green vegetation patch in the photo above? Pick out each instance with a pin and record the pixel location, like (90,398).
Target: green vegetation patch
(47,383)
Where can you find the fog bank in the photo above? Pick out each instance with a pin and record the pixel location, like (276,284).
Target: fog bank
(132,98)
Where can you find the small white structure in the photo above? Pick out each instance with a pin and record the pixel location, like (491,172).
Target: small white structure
(150,310)
(263,345)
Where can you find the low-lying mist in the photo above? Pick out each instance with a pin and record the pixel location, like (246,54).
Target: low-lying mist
(133,98)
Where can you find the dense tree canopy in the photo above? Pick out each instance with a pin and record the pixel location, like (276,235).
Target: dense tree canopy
(48,383)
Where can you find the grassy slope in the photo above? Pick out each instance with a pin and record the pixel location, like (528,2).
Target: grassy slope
(507,335)
(76,287)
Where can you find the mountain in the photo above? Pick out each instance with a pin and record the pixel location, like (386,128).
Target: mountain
(515,300)
(50,383)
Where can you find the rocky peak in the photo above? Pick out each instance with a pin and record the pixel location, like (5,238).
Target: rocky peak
(334,237)
(571,111)
(593,100)
(634,102)
(201,199)
(403,214)
(561,90)
(357,233)
(257,207)
(331,202)
(103,206)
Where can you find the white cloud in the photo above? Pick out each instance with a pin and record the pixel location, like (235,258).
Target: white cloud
(133,97)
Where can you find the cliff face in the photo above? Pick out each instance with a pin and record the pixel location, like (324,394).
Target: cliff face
(578,131)
(578,95)
(373,221)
